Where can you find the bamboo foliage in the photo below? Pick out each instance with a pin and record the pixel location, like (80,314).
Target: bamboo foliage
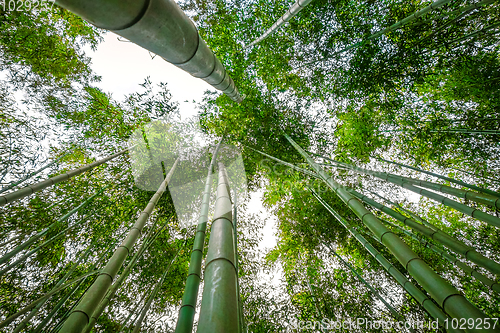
(80,316)
(188,306)
(219,304)
(24,192)
(409,287)
(291,12)
(450,299)
(435,234)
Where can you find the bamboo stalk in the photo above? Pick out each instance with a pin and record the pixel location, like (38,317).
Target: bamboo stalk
(33,174)
(42,233)
(432,309)
(490,284)
(398,180)
(28,190)
(63,300)
(30,306)
(435,234)
(219,304)
(148,240)
(291,12)
(453,303)
(155,291)
(188,306)
(35,310)
(80,316)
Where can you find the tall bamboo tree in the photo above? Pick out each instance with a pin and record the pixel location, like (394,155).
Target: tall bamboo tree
(80,316)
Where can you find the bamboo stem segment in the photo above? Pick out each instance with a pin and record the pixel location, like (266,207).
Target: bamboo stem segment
(81,315)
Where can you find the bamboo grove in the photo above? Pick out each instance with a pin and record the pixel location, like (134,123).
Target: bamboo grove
(370,129)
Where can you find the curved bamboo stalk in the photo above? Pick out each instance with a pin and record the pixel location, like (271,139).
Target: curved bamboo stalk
(435,234)
(24,192)
(80,316)
(35,310)
(431,308)
(148,240)
(219,304)
(155,291)
(451,180)
(161,27)
(30,306)
(450,299)
(398,180)
(34,173)
(291,12)
(454,260)
(188,306)
(63,300)
(42,233)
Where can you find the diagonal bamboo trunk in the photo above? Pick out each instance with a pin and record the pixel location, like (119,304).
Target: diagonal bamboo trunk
(219,304)
(42,233)
(148,240)
(291,12)
(435,234)
(187,310)
(80,316)
(431,308)
(466,268)
(24,192)
(450,299)
(155,291)
(161,27)
(398,180)
(33,173)
(451,180)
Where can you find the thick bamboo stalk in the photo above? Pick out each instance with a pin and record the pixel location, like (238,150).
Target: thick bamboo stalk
(218,312)
(42,233)
(398,180)
(450,299)
(291,12)
(34,173)
(148,240)
(24,192)
(490,284)
(431,308)
(35,310)
(451,180)
(155,291)
(161,27)
(393,312)
(435,234)
(80,316)
(63,300)
(30,306)
(188,306)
